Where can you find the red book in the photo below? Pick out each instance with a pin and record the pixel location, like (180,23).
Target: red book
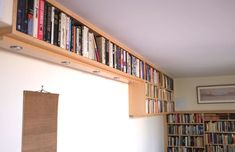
(40,19)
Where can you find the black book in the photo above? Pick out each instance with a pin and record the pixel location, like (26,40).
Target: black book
(30,17)
(56,26)
(106,52)
(25,17)
(72,35)
(80,40)
(19,20)
(45,16)
(59,28)
(48,23)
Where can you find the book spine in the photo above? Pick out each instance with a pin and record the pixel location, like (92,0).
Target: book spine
(80,40)
(103,50)
(74,39)
(45,16)
(19,15)
(85,41)
(71,36)
(67,33)
(115,56)
(40,19)
(56,26)
(52,24)
(110,54)
(25,16)
(35,18)
(106,52)
(63,31)
(30,17)
(59,28)
(48,24)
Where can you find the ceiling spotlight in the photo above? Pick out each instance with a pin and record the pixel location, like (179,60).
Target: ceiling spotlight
(15,47)
(65,62)
(116,78)
(96,71)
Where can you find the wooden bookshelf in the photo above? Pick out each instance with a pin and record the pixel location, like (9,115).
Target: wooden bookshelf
(212,130)
(11,39)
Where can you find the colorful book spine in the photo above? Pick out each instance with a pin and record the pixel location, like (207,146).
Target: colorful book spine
(40,19)
(35,18)
(30,17)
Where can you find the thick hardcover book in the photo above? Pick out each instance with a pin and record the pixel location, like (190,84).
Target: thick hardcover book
(40,19)
(101,48)
(68,37)
(19,19)
(91,46)
(63,18)
(30,17)
(56,26)
(84,41)
(48,23)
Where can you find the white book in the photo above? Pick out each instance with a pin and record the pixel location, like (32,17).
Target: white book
(52,24)
(101,47)
(63,30)
(85,41)
(124,60)
(91,46)
(35,18)
(115,56)
(68,33)
(137,67)
(110,54)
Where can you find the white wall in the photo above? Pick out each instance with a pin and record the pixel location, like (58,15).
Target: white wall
(93,111)
(6,12)
(185,93)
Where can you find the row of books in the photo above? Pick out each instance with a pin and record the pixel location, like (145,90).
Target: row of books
(220,126)
(158,78)
(185,130)
(157,106)
(225,139)
(154,92)
(220,148)
(184,149)
(219,116)
(185,118)
(194,141)
(43,21)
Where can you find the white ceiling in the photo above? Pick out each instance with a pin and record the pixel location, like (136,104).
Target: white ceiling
(185,38)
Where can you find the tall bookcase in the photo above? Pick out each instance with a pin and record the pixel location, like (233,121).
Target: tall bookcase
(109,58)
(185,132)
(219,132)
(200,131)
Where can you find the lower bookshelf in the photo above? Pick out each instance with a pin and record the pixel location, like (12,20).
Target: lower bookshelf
(200,132)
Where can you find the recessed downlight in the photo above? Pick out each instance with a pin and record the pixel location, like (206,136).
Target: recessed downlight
(96,71)
(16,47)
(65,62)
(116,78)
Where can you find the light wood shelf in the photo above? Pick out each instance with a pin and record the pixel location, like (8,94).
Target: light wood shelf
(39,49)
